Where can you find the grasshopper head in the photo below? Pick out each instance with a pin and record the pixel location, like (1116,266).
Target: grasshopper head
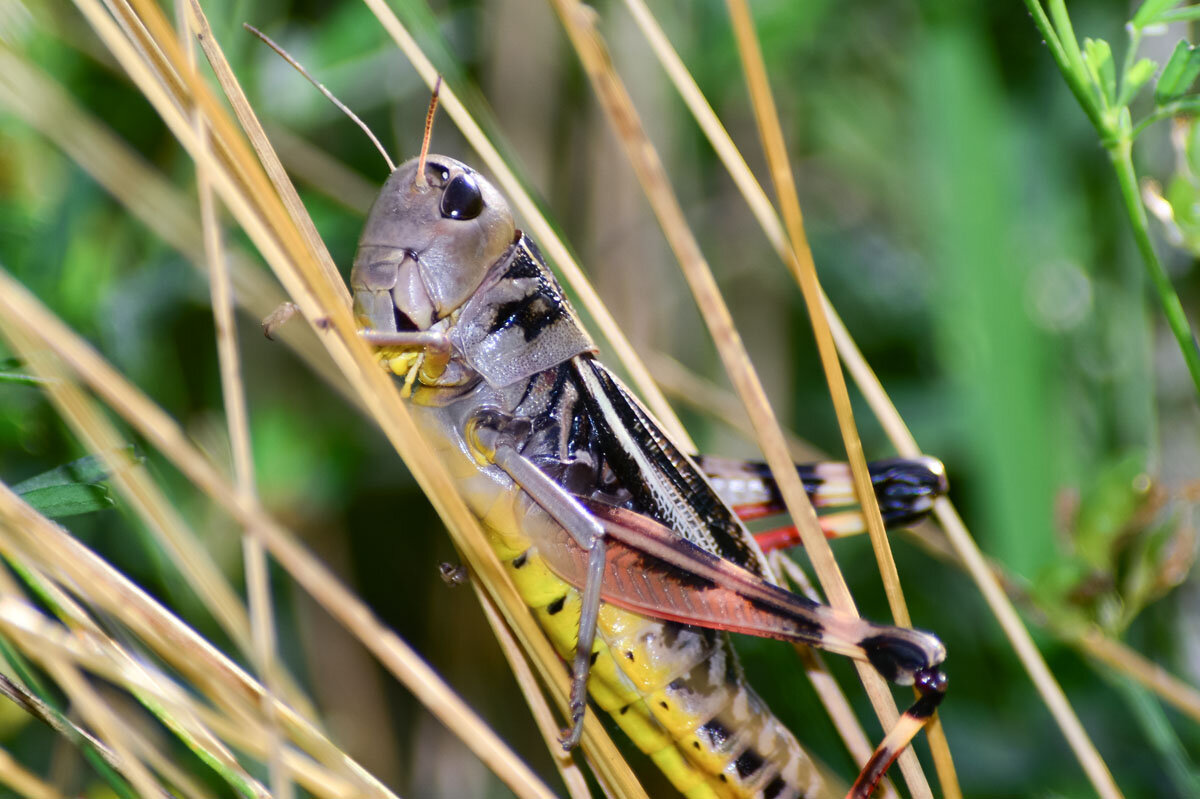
(426,247)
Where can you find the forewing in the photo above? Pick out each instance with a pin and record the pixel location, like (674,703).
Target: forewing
(665,483)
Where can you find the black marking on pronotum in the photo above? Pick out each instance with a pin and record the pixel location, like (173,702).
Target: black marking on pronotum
(525,262)
(595,654)
(533,313)
(629,655)
(519,560)
(747,763)
(543,303)
(557,605)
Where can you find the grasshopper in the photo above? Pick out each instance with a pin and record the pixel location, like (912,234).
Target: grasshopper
(631,560)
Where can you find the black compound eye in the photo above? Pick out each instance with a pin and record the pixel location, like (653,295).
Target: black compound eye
(461,199)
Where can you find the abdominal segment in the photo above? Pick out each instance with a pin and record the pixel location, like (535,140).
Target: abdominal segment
(677,691)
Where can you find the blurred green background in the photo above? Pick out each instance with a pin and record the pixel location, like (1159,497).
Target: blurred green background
(964,219)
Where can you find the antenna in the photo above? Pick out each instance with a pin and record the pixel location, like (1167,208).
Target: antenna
(419,178)
(328,94)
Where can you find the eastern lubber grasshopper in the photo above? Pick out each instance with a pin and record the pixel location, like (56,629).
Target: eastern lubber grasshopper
(630,558)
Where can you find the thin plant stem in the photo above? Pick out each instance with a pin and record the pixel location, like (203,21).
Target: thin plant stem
(1118,135)
(1122,162)
(254,557)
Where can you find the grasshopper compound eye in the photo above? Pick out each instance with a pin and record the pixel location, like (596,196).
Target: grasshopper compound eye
(461,199)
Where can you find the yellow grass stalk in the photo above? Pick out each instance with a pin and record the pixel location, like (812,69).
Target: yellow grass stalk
(579,23)
(106,724)
(52,550)
(22,781)
(805,273)
(258,585)
(249,196)
(20,308)
(883,409)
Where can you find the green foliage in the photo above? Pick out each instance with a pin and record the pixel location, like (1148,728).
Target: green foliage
(965,225)
(73,488)
(1179,74)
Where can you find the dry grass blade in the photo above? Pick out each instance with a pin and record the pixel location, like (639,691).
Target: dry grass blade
(579,23)
(107,725)
(881,405)
(806,274)
(146,193)
(308,572)
(804,270)
(321,300)
(258,586)
(572,775)
(21,780)
(55,552)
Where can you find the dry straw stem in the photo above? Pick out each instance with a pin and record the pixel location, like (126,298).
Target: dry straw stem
(21,310)
(547,661)
(23,782)
(89,648)
(54,551)
(579,22)
(1121,658)
(804,271)
(108,727)
(249,197)
(682,384)
(883,409)
(258,585)
(275,172)
(542,231)
(42,103)
(572,775)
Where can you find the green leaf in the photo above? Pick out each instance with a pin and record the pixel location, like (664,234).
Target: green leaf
(89,469)
(1098,57)
(68,500)
(73,488)
(1150,11)
(10,372)
(1179,74)
(1135,78)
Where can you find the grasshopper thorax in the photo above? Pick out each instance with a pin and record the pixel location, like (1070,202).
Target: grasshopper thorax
(427,245)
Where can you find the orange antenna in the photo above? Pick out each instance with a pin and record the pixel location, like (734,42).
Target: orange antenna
(419,179)
(321,88)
